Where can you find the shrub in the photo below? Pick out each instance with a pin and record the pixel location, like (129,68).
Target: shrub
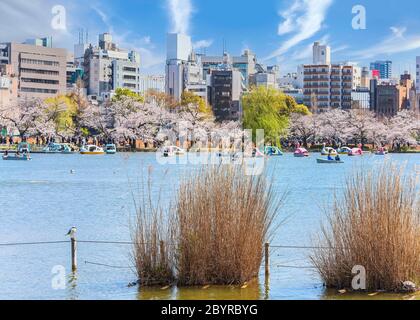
(376,226)
(214,234)
(153,234)
(224,219)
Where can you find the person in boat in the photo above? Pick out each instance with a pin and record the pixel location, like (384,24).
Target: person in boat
(330,158)
(337,158)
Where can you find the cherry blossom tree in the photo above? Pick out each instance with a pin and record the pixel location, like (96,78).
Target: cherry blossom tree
(361,125)
(304,127)
(402,130)
(28,118)
(334,125)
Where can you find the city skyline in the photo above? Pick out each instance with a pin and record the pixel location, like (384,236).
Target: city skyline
(281,33)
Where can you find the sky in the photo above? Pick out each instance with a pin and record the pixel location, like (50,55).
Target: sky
(278,31)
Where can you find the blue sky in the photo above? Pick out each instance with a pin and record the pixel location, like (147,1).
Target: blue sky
(278,31)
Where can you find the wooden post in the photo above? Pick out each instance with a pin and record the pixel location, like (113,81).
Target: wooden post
(162,253)
(267,260)
(73,252)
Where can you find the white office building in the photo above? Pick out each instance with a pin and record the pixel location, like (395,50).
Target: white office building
(184,71)
(152,82)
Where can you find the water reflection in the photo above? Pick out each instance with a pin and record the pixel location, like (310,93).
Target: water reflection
(250,292)
(330,294)
(72,290)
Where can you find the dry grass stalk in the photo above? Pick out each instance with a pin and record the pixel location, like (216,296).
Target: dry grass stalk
(224,218)
(153,237)
(376,225)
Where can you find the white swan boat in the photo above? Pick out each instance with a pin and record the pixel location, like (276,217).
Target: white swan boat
(91,150)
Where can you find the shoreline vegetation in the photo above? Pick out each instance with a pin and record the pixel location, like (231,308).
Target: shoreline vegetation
(154,120)
(212,234)
(378,228)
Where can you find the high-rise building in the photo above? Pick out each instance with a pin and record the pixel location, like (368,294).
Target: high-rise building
(108,67)
(184,70)
(328,86)
(321,54)
(384,68)
(225,92)
(40,69)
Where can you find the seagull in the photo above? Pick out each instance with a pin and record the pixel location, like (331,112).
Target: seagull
(72,232)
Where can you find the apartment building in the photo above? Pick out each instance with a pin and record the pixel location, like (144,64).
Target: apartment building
(107,67)
(328,86)
(40,70)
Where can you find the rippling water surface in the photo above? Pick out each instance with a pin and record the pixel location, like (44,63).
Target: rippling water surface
(41,199)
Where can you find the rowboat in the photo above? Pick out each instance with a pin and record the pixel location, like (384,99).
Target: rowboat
(91,150)
(55,148)
(328,161)
(111,149)
(23,157)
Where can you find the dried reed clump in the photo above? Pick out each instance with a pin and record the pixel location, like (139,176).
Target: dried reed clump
(376,225)
(152,234)
(223,220)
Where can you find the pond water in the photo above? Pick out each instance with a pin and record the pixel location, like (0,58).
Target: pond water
(41,199)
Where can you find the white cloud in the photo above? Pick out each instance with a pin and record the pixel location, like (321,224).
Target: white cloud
(397,42)
(304,18)
(180,12)
(340,48)
(104,17)
(22,19)
(202,44)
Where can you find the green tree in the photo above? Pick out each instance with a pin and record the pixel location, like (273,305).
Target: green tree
(195,107)
(121,93)
(60,110)
(270,110)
